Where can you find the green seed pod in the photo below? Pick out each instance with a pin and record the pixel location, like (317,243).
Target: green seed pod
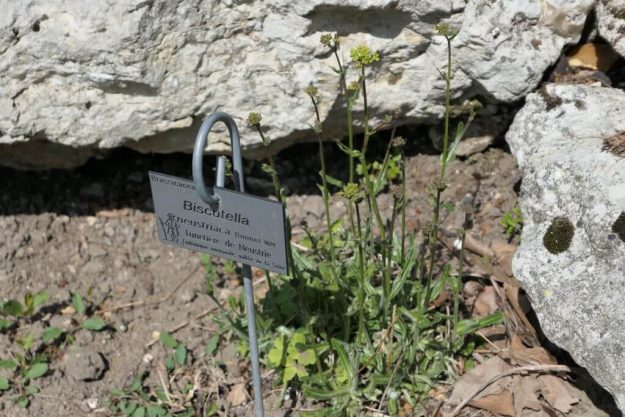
(559,235)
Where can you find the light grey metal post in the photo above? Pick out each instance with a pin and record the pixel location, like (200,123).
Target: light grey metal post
(220,177)
(212,200)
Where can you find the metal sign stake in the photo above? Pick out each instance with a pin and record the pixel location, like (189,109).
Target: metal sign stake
(212,200)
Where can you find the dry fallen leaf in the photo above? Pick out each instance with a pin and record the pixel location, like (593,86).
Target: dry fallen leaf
(529,356)
(504,252)
(237,395)
(478,376)
(593,56)
(486,302)
(514,395)
(558,393)
(512,295)
(502,403)
(525,394)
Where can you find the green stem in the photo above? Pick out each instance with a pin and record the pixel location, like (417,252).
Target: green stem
(281,199)
(350,128)
(373,203)
(361,290)
(457,287)
(432,240)
(447,110)
(238,330)
(403,209)
(434,237)
(326,194)
(372,197)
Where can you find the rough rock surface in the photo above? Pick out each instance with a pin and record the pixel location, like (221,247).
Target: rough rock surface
(611,23)
(577,293)
(77,79)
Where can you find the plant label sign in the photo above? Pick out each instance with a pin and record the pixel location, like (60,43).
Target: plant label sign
(244,228)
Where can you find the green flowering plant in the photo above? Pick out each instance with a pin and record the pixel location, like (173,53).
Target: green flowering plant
(363,56)
(354,325)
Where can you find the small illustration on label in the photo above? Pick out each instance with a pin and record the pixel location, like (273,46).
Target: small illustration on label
(171,229)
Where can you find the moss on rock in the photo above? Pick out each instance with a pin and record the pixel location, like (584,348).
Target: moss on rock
(559,235)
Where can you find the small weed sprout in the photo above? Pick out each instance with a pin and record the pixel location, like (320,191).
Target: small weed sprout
(512,222)
(30,357)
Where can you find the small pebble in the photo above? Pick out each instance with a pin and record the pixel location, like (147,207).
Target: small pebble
(187,295)
(92,403)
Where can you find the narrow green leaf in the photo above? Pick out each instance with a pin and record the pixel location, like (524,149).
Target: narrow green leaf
(405,272)
(23,402)
(167,340)
(160,394)
(32,389)
(300,260)
(181,354)
(26,342)
(127,407)
(170,363)
(94,324)
(424,379)
(40,358)
(117,392)
(320,394)
(213,342)
(380,379)
(51,334)
(139,412)
(439,284)
(156,411)
(8,364)
(212,410)
(354,153)
(36,371)
(13,308)
(136,384)
(78,304)
(337,345)
(333,181)
(468,326)
(29,302)
(39,298)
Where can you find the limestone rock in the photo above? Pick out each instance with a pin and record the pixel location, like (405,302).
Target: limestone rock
(577,288)
(611,23)
(78,79)
(506,46)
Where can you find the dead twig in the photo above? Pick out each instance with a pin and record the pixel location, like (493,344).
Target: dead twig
(514,371)
(152,302)
(182,325)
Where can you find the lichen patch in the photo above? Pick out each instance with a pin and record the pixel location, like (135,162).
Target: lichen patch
(559,235)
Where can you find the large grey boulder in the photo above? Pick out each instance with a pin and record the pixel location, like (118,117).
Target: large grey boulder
(571,259)
(78,78)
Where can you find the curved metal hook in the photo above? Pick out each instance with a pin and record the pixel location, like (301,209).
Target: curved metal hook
(207,196)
